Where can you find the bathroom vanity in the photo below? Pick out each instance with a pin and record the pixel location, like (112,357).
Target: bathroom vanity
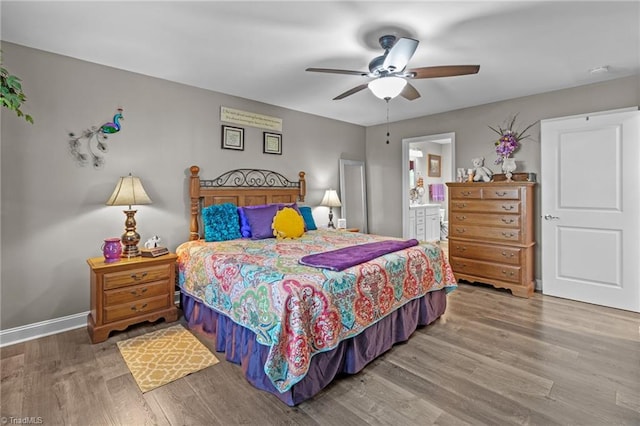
(424,222)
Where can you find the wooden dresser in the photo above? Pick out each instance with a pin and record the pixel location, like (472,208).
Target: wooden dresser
(491,237)
(130,291)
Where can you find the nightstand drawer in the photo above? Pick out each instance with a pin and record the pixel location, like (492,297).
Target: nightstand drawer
(136,276)
(135,293)
(132,309)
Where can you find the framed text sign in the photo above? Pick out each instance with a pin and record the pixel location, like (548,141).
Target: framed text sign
(252,119)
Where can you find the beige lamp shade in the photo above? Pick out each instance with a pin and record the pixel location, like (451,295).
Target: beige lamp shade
(331,199)
(129,191)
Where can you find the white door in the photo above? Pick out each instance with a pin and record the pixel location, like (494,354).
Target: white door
(590,186)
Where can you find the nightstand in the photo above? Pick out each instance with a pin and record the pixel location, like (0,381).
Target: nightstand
(130,291)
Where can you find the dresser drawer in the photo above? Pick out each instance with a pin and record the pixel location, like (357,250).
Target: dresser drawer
(465,193)
(490,219)
(132,309)
(499,254)
(484,233)
(493,206)
(136,276)
(484,269)
(500,194)
(135,293)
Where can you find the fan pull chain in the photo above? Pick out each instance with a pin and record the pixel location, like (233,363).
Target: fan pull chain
(387,99)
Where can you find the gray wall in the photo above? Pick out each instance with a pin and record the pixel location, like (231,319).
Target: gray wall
(53,211)
(474,139)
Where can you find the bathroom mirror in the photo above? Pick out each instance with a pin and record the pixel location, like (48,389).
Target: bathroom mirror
(353,194)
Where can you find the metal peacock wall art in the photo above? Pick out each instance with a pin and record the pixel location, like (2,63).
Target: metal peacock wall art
(94,136)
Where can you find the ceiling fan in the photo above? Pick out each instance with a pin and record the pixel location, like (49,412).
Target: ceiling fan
(390,74)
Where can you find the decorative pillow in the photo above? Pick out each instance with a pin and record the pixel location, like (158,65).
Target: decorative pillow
(221,222)
(245,228)
(288,223)
(260,220)
(309,222)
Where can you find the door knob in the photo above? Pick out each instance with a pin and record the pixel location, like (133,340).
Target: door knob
(550,217)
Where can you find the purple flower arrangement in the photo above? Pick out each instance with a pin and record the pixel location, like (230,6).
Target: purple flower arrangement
(509,140)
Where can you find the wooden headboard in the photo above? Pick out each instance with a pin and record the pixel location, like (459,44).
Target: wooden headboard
(242,187)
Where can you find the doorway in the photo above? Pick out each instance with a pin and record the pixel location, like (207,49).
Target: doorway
(429,152)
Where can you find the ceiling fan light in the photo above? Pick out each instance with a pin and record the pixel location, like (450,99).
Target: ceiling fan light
(387,87)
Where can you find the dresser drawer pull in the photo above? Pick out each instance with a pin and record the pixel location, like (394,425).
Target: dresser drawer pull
(505,254)
(461,205)
(137,277)
(461,217)
(460,230)
(510,220)
(508,234)
(508,273)
(142,291)
(135,308)
(500,194)
(507,207)
(466,193)
(459,248)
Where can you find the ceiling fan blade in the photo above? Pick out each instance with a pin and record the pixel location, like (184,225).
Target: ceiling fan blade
(351,91)
(399,55)
(334,71)
(443,71)
(409,92)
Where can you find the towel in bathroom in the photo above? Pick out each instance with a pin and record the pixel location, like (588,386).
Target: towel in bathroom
(437,191)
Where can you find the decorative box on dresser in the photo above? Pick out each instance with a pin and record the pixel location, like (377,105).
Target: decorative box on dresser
(491,237)
(130,291)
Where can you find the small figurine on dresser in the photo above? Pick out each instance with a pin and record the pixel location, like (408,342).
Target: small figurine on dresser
(480,172)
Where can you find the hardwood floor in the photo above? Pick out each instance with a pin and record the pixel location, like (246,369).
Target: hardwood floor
(491,359)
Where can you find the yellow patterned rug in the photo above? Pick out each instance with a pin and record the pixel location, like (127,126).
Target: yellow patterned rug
(162,356)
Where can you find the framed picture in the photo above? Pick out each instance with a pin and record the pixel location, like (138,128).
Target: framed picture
(232,138)
(272,143)
(434,165)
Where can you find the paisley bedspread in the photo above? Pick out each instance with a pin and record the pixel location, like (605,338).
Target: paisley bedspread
(298,310)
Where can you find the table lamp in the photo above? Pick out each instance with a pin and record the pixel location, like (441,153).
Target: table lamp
(331,200)
(129,191)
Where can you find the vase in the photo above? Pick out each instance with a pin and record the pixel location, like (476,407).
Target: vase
(111,249)
(508,167)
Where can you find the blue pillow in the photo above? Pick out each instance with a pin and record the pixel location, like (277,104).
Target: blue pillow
(245,228)
(309,223)
(260,220)
(221,222)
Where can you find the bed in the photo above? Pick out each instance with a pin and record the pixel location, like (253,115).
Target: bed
(294,328)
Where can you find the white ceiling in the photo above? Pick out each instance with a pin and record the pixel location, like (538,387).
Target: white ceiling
(259,50)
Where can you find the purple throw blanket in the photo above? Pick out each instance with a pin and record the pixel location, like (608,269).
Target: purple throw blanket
(341,259)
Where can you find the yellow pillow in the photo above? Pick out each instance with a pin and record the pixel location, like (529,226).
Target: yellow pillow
(287,223)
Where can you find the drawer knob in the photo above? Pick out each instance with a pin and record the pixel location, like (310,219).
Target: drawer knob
(507,206)
(462,205)
(508,234)
(461,217)
(508,273)
(460,230)
(510,220)
(459,248)
(137,277)
(505,254)
(142,291)
(501,193)
(466,193)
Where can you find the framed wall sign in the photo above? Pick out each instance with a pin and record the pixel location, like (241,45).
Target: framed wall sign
(232,138)
(434,165)
(272,143)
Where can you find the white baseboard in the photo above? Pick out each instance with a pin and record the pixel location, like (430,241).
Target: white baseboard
(41,329)
(46,328)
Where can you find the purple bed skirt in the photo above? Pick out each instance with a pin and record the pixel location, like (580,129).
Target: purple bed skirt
(349,357)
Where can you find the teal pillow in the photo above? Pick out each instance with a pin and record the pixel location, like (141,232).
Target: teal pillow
(309,223)
(221,222)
